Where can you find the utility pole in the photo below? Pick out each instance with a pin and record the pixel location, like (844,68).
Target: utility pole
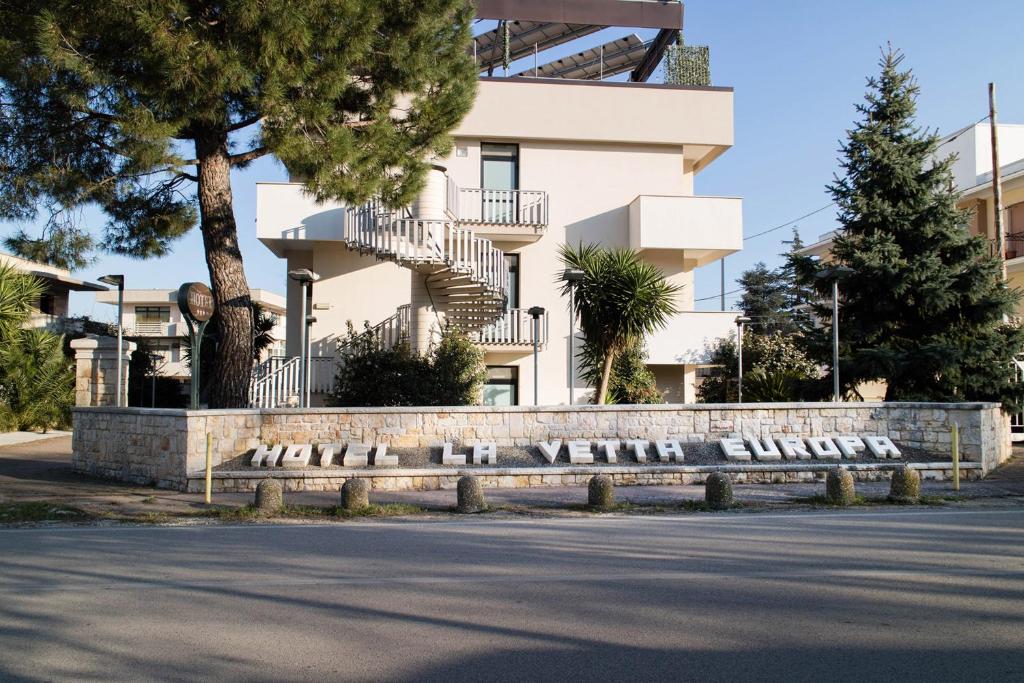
(723,283)
(997,186)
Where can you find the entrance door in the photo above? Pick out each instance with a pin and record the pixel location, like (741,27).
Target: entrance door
(499,175)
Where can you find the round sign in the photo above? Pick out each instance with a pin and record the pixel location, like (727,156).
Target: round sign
(195,301)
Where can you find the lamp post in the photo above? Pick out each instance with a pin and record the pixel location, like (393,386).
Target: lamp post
(305,277)
(118,281)
(310,319)
(741,320)
(834,275)
(154,358)
(572,276)
(536,312)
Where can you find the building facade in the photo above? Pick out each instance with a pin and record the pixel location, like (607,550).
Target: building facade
(153,315)
(539,162)
(52,309)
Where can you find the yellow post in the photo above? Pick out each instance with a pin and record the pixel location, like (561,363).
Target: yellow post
(956,456)
(209,465)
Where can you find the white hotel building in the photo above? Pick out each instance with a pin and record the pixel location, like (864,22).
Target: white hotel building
(563,156)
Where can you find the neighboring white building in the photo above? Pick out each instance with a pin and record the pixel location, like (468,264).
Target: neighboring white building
(52,309)
(537,163)
(153,314)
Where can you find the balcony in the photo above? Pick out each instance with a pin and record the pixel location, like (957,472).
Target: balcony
(513,332)
(689,337)
(515,215)
(705,229)
(156,330)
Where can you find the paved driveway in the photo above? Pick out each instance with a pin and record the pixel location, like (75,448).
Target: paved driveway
(906,595)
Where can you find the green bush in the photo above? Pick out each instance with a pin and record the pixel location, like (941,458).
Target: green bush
(774,369)
(37,379)
(631,380)
(452,373)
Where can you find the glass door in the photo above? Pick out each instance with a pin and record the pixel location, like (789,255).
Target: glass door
(499,176)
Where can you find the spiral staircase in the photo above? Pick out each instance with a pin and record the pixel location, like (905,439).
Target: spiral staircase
(460,279)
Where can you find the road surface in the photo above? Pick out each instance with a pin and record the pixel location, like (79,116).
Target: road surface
(860,596)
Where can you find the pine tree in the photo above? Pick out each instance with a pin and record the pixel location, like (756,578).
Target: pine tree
(765,300)
(144,109)
(924,307)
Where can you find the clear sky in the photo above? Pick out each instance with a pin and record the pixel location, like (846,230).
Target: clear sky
(797,67)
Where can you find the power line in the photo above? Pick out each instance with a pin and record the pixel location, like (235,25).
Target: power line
(831,204)
(718,296)
(788,223)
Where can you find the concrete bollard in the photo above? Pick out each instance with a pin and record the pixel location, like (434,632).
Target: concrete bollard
(269,496)
(718,491)
(355,494)
(905,486)
(470,495)
(601,491)
(839,488)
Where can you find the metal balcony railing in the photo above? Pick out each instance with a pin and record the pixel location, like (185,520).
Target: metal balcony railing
(528,208)
(514,328)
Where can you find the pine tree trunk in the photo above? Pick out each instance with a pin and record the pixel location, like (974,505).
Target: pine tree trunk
(606,374)
(228,379)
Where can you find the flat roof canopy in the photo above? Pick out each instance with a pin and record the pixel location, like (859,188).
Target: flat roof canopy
(534,26)
(610,59)
(662,14)
(524,38)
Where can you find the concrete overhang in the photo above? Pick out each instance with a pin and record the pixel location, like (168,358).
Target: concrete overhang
(699,119)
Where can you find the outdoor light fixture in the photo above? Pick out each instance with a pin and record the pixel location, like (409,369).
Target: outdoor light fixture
(310,319)
(834,275)
(741,320)
(536,312)
(305,277)
(572,276)
(155,358)
(118,281)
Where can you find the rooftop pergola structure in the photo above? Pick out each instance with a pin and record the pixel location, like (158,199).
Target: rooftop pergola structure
(532,26)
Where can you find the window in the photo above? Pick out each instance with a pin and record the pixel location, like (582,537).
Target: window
(48,304)
(499,178)
(152,314)
(502,386)
(512,262)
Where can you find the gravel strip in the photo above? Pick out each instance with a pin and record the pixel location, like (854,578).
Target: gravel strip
(694,454)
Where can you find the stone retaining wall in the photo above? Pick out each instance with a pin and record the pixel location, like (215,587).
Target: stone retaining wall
(165,446)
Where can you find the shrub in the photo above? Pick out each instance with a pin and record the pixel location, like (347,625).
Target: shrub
(631,381)
(451,373)
(37,382)
(786,373)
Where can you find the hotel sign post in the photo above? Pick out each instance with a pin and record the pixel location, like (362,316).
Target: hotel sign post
(195,300)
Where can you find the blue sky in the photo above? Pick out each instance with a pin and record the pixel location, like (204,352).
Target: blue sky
(797,68)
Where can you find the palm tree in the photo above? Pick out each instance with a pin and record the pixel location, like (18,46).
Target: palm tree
(19,294)
(620,299)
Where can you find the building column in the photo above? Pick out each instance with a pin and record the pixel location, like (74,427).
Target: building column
(430,208)
(96,361)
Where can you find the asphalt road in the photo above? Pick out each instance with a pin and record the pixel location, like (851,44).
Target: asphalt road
(895,595)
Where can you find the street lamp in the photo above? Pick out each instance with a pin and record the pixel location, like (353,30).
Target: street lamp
(305,277)
(154,358)
(310,319)
(834,275)
(536,312)
(741,320)
(118,281)
(572,276)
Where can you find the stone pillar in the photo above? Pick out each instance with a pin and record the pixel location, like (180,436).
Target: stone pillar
(430,208)
(96,370)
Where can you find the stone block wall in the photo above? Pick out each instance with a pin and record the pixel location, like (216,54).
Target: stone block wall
(165,446)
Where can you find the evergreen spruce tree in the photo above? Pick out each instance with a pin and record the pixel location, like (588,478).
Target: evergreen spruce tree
(924,309)
(144,108)
(765,300)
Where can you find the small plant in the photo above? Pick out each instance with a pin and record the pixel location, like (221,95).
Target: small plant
(451,373)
